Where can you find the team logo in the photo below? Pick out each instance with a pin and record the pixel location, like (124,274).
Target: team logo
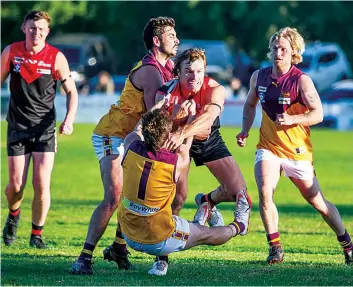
(284,98)
(17,68)
(300,150)
(262,90)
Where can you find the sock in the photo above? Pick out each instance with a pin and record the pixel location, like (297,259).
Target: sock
(119,244)
(14,214)
(237,227)
(162,257)
(207,198)
(274,239)
(87,251)
(345,241)
(36,230)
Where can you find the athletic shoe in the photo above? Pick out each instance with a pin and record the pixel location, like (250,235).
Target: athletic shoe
(349,257)
(121,259)
(202,214)
(216,218)
(10,230)
(37,242)
(243,210)
(275,255)
(83,266)
(159,268)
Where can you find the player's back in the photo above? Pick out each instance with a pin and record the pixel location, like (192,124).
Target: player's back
(145,213)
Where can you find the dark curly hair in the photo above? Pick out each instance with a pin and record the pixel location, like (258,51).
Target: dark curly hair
(35,16)
(192,55)
(156,27)
(156,126)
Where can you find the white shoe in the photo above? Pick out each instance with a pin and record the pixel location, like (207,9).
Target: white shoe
(203,213)
(216,218)
(243,210)
(159,268)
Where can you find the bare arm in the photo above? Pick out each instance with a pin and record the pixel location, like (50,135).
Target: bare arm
(311,100)
(149,80)
(68,84)
(249,111)
(5,64)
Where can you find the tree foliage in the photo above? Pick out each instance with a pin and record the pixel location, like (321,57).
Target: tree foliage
(245,25)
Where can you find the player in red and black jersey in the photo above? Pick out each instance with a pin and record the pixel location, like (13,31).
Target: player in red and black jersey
(35,67)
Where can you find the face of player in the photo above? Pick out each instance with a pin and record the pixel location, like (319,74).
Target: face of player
(191,76)
(281,53)
(36,31)
(169,42)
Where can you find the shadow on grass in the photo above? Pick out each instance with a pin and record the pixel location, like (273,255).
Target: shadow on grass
(54,271)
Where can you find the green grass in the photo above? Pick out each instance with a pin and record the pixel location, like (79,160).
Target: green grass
(312,254)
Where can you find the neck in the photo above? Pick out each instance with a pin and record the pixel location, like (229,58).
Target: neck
(34,49)
(161,57)
(277,72)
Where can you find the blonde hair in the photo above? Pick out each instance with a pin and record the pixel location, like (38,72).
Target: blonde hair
(192,55)
(296,42)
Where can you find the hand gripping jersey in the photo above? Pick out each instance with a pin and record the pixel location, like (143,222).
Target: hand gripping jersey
(32,88)
(278,96)
(173,87)
(124,115)
(145,212)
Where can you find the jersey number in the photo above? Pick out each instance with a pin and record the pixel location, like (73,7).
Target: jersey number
(143,180)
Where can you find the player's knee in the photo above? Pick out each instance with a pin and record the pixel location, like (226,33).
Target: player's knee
(15,187)
(111,203)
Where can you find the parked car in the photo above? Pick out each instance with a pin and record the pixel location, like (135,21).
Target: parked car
(325,64)
(87,54)
(218,54)
(337,102)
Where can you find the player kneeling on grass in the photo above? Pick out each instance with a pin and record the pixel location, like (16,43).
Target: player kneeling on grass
(150,173)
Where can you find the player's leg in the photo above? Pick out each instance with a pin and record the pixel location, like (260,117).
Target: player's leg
(311,191)
(18,162)
(108,151)
(267,173)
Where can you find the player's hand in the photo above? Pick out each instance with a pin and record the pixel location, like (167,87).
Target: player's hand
(66,128)
(284,120)
(175,140)
(241,138)
(162,103)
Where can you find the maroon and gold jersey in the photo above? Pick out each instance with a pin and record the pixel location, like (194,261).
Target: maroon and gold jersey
(32,88)
(124,115)
(145,212)
(276,97)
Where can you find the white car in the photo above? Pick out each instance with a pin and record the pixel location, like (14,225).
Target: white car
(325,64)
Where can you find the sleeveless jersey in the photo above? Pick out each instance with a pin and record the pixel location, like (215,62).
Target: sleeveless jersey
(145,212)
(32,88)
(173,87)
(276,97)
(124,115)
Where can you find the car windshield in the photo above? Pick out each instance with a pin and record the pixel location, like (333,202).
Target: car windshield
(305,64)
(72,54)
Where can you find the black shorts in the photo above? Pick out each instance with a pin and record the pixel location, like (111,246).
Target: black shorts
(23,142)
(211,149)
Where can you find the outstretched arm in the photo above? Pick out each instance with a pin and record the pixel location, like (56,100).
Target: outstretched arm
(5,64)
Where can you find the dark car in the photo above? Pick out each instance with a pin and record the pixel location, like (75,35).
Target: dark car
(337,104)
(219,57)
(87,54)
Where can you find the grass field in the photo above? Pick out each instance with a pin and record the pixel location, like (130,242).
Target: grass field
(312,254)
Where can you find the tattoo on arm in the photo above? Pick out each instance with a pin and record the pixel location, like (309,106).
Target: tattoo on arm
(312,97)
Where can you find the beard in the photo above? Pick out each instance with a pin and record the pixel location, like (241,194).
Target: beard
(168,52)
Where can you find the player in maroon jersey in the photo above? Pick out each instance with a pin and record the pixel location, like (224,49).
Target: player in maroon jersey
(35,67)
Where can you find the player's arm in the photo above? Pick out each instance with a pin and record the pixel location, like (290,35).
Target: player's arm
(68,84)
(151,81)
(311,100)
(209,113)
(249,111)
(5,64)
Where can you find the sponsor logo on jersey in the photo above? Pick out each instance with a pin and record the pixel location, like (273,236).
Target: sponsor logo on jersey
(18,60)
(284,98)
(262,89)
(300,150)
(44,71)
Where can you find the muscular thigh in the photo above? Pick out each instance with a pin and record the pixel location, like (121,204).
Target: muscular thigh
(112,175)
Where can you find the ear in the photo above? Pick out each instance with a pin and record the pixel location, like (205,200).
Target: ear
(156,41)
(23,28)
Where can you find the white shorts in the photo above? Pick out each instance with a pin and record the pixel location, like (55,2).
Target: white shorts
(104,145)
(174,243)
(300,169)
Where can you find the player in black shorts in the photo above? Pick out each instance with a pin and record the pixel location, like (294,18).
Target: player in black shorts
(35,67)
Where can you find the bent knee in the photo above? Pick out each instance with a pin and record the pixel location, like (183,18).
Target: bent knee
(15,187)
